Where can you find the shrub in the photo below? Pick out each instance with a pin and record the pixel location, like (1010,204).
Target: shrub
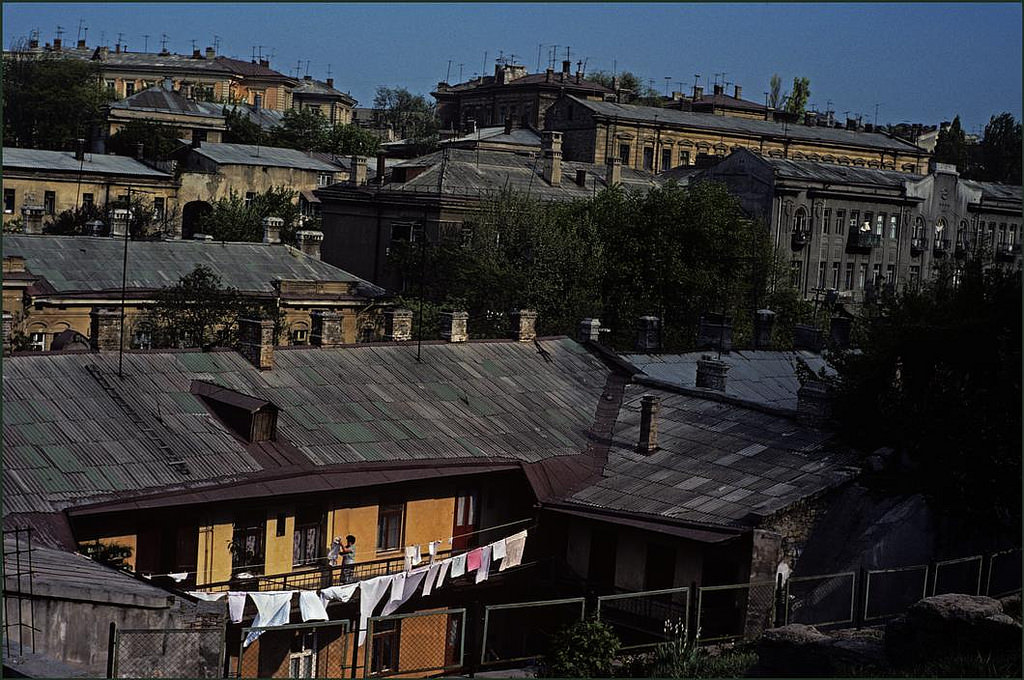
(585,649)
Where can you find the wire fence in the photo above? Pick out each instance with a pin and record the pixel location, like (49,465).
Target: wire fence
(522,631)
(300,650)
(742,610)
(1004,573)
(888,592)
(821,600)
(962,575)
(415,644)
(169,653)
(641,619)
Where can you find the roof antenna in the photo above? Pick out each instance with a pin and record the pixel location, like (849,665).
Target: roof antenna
(163,42)
(145,45)
(307,67)
(80,21)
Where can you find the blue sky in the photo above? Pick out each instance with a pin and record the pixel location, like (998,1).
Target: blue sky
(919,62)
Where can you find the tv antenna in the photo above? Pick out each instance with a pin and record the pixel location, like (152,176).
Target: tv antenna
(163,42)
(448,73)
(145,38)
(668,79)
(80,22)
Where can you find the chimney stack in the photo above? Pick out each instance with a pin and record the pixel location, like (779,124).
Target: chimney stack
(454,326)
(524,325)
(398,325)
(714,331)
(33,42)
(698,92)
(581,178)
(326,328)
(552,146)
(764,323)
(719,89)
(272,229)
(265,63)
(649,407)
(309,241)
(381,167)
(508,125)
(79,150)
(139,151)
(614,174)
(256,342)
(648,334)
(737,92)
(813,404)
(197,53)
(566,66)
(589,331)
(105,328)
(359,170)
(32,215)
(210,53)
(330,82)
(81,43)
(839,331)
(711,373)
(57,44)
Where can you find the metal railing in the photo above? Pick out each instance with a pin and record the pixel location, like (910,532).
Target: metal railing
(313,650)
(825,600)
(415,644)
(732,612)
(168,653)
(961,575)
(895,589)
(639,619)
(1004,573)
(534,628)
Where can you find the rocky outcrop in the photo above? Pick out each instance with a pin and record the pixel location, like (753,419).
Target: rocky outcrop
(797,650)
(953,624)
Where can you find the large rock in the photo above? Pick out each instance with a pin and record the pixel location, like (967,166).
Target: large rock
(797,650)
(950,624)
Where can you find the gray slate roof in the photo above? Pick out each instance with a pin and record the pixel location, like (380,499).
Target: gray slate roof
(264,117)
(86,263)
(64,161)
(744,126)
(251,154)
(157,98)
(66,440)
(496,135)
(760,376)
(997,191)
(717,463)
(817,171)
(144,60)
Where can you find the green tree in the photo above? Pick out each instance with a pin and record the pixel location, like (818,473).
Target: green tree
(48,102)
(951,146)
(352,139)
(953,414)
(73,220)
(200,311)
(410,115)
(584,649)
(775,94)
(158,141)
(305,129)
(627,80)
(798,98)
(232,219)
(240,129)
(1001,150)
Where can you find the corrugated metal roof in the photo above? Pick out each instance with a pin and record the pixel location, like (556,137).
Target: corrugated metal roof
(64,161)
(85,263)
(745,126)
(251,154)
(157,98)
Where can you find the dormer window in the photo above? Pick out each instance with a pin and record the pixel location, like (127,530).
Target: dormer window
(250,418)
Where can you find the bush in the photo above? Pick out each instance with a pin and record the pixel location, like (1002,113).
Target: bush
(585,649)
(683,658)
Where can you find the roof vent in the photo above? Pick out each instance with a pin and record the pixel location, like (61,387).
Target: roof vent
(252,419)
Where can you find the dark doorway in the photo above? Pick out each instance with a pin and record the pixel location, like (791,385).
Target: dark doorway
(604,545)
(660,568)
(191,215)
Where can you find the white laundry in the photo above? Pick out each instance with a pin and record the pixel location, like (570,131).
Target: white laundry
(311,607)
(441,574)
(179,577)
(272,609)
(432,549)
(412,582)
(341,593)
(484,570)
(458,565)
(498,550)
(397,586)
(236,605)
(208,597)
(428,582)
(514,546)
(370,593)
(412,556)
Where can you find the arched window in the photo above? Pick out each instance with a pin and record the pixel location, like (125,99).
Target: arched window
(919,227)
(800,220)
(940,228)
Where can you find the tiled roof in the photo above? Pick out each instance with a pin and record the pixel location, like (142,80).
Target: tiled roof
(312,86)
(251,154)
(744,126)
(761,376)
(718,463)
(64,161)
(264,117)
(996,191)
(87,263)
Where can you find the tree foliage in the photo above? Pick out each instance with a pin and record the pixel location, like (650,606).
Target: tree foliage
(798,98)
(305,129)
(232,219)
(1001,150)
(158,141)
(775,94)
(951,146)
(584,649)
(239,129)
(938,379)
(49,102)
(410,115)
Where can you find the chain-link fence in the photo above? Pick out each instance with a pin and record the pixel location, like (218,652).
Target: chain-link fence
(1004,573)
(521,631)
(640,619)
(298,650)
(962,575)
(742,610)
(888,592)
(169,653)
(821,600)
(416,644)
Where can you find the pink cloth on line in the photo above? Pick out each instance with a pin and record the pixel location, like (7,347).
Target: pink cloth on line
(473,559)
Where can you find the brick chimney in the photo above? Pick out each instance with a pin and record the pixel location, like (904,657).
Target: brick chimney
(81,44)
(737,91)
(648,334)
(210,53)
(256,342)
(57,44)
(719,88)
(813,404)
(524,325)
(714,330)
(454,326)
(614,174)
(650,405)
(272,229)
(552,146)
(398,325)
(326,328)
(33,218)
(309,241)
(589,331)
(330,82)
(698,92)
(359,170)
(711,373)
(79,150)
(197,53)
(105,328)
(764,323)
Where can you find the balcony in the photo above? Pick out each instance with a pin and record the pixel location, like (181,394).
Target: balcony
(918,245)
(801,237)
(1006,252)
(940,247)
(863,241)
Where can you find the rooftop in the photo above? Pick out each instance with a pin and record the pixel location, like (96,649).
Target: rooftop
(312,86)
(157,98)
(64,161)
(88,263)
(554,80)
(251,154)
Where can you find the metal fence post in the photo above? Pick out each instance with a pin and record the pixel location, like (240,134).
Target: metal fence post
(861,602)
(694,611)
(112,650)
(781,601)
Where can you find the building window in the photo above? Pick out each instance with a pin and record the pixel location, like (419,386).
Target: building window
(879,223)
(848,283)
(821,274)
(666,159)
(390,519)
(840,221)
(158,208)
(854,225)
(684,158)
(142,338)
(835,276)
(1002,233)
(890,274)
(649,159)
(300,337)
(50,202)
(624,153)
(826,220)
(88,200)
(1013,234)
(111,88)
(893,226)
(129,88)
(800,221)
(308,538)
(302,658)
(794,273)
(866,224)
(250,196)
(403,231)
(8,201)
(37,341)
(862,275)
(247,545)
(876,274)
(324,179)
(385,646)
